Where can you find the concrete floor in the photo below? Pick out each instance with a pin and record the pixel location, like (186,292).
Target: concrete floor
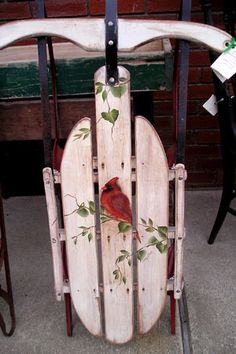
(209,275)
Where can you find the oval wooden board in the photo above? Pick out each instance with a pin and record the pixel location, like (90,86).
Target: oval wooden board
(152,202)
(77,188)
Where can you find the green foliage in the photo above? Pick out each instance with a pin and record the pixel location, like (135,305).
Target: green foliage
(116,91)
(141,254)
(84,133)
(110,116)
(124,227)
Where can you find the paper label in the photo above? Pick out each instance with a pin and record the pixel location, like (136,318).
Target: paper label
(211,105)
(225,65)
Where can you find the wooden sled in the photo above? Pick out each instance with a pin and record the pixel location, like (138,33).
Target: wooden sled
(107,267)
(109,270)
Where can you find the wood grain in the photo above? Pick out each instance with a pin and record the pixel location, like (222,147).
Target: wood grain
(54,232)
(114,160)
(77,187)
(90,35)
(152,201)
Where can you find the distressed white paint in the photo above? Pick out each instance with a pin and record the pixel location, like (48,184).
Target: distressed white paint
(180,176)
(54,232)
(77,182)
(152,201)
(90,33)
(114,160)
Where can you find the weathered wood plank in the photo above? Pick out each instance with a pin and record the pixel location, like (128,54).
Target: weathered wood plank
(78,199)
(76,68)
(90,35)
(53,222)
(152,204)
(180,176)
(114,160)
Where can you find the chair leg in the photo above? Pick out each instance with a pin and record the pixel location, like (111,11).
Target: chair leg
(172,311)
(227,194)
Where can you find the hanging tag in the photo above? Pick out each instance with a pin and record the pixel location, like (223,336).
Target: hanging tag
(211,105)
(225,65)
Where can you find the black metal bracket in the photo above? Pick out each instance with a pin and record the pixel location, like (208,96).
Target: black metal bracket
(111,26)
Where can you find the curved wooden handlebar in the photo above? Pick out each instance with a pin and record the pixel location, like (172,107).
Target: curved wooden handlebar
(90,33)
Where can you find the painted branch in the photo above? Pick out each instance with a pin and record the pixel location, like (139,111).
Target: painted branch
(90,33)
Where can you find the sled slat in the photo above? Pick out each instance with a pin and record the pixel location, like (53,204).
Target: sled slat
(152,202)
(114,160)
(54,232)
(180,176)
(77,188)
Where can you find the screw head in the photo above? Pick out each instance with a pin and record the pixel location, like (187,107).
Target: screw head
(110,23)
(110,42)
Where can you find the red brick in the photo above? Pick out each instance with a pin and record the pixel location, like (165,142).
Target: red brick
(12,11)
(124,7)
(206,75)
(200,91)
(203,137)
(196,151)
(201,179)
(65,8)
(202,122)
(199,58)
(194,74)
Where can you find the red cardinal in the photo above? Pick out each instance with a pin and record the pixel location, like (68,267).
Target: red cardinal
(116,202)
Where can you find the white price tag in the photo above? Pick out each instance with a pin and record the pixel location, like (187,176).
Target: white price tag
(225,65)
(211,105)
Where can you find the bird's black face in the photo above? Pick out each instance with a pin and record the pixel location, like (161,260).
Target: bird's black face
(108,188)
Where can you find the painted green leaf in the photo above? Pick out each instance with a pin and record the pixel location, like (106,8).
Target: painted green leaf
(163,231)
(143,221)
(150,222)
(118,91)
(115,272)
(124,252)
(141,255)
(84,130)
(150,229)
(104,218)
(124,226)
(90,236)
(161,247)
(85,136)
(99,89)
(124,279)
(120,259)
(104,95)
(91,207)
(82,212)
(84,233)
(99,83)
(129,262)
(152,240)
(110,116)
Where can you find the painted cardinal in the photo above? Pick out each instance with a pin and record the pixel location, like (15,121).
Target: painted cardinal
(116,203)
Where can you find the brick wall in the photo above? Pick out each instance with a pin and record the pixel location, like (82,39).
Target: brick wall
(203,159)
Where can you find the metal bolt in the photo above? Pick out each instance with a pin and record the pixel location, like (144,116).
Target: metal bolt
(111,79)
(110,42)
(110,23)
